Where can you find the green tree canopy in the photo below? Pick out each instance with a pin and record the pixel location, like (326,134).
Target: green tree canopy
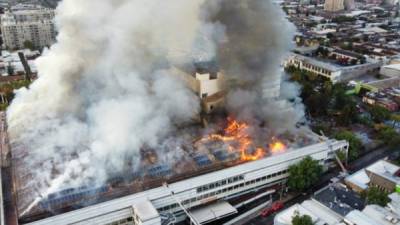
(376,196)
(389,136)
(302,220)
(304,174)
(10,70)
(379,114)
(354,143)
(28,45)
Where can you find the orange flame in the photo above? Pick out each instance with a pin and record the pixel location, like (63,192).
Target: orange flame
(277,147)
(236,137)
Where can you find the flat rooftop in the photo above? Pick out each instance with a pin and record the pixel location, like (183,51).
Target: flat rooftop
(339,198)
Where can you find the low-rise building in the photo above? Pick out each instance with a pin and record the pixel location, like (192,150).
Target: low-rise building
(335,73)
(338,205)
(319,214)
(380,99)
(394,203)
(381,215)
(10,63)
(381,174)
(392,70)
(328,206)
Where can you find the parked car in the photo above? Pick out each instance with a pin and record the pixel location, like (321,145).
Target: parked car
(276,206)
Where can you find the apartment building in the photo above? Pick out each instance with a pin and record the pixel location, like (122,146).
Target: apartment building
(28,24)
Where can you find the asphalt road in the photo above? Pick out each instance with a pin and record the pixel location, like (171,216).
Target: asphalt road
(362,162)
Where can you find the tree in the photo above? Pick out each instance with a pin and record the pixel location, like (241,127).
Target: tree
(304,174)
(395,118)
(302,220)
(376,196)
(344,105)
(388,135)
(354,143)
(28,45)
(347,115)
(379,114)
(10,70)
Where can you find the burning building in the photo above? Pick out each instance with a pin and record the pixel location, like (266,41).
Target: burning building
(170,200)
(221,167)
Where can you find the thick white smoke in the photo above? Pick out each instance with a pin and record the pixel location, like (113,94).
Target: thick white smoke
(105,89)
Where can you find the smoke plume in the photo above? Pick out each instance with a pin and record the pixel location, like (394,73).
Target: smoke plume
(105,88)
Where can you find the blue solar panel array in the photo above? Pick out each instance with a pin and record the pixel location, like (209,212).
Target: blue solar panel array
(202,160)
(159,171)
(71,195)
(221,155)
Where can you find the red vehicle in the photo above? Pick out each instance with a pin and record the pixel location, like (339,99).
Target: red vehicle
(276,206)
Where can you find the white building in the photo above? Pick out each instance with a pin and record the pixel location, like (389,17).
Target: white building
(382,174)
(175,201)
(394,203)
(392,70)
(381,215)
(34,24)
(319,214)
(372,215)
(11,59)
(335,73)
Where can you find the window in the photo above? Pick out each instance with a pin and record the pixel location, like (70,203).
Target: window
(219,183)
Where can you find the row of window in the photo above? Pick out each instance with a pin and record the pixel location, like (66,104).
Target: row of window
(315,68)
(126,221)
(219,183)
(227,189)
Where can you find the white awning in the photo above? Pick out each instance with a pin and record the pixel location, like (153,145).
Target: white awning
(213,212)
